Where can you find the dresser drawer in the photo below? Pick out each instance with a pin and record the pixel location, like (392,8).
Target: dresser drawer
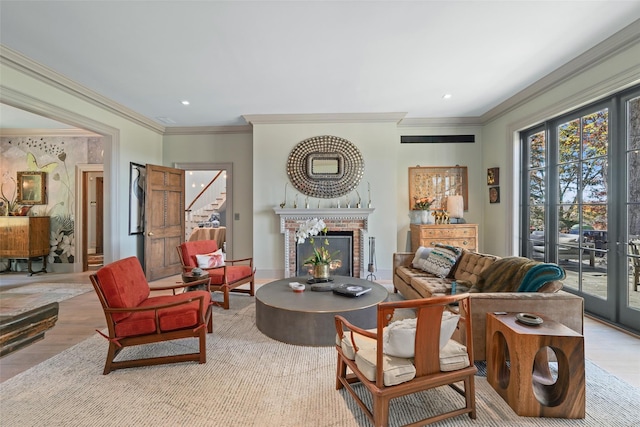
(469,243)
(461,235)
(446,233)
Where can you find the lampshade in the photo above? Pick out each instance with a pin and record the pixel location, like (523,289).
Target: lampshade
(455,206)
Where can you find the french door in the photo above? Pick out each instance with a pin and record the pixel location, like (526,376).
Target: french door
(581,203)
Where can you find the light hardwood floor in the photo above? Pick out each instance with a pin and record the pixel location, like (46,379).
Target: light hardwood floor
(611,349)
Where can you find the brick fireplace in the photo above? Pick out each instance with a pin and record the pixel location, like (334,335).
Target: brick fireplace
(336,219)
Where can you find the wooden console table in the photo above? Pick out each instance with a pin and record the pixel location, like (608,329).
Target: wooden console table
(25,237)
(461,235)
(518,366)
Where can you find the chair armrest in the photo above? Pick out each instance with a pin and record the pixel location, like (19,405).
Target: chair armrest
(232,261)
(342,323)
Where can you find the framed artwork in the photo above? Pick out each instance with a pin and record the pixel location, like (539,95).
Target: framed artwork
(493,176)
(439,183)
(494,195)
(137,174)
(32,188)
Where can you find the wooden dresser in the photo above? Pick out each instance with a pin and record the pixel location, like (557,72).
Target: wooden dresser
(461,235)
(25,237)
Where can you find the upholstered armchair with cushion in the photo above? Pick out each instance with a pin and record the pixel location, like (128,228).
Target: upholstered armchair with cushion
(135,317)
(226,275)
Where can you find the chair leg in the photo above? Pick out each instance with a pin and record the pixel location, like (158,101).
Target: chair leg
(341,372)
(470,395)
(380,411)
(203,346)
(112,352)
(225,303)
(252,287)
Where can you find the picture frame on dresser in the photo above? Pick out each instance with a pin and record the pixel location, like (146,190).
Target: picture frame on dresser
(32,188)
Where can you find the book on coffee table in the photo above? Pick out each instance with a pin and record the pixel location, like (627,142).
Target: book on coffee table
(350,290)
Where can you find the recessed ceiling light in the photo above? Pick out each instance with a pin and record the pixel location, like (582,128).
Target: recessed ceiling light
(185,102)
(447,96)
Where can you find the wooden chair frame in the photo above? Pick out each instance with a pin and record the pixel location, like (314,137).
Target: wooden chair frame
(116,344)
(226,286)
(427,361)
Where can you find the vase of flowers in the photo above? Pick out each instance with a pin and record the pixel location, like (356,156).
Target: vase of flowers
(321,258)
(420,213)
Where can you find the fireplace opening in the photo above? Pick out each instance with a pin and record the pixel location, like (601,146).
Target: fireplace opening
(342,263)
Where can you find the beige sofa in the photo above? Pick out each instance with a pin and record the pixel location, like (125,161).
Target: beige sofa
(549,301)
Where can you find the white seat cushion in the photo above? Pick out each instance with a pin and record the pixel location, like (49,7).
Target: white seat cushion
(453,357)
(396,370)
(361,342)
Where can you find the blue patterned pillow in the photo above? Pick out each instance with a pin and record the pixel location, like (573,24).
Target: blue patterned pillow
(441,259)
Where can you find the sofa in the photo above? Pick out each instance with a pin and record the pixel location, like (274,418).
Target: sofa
(549,301)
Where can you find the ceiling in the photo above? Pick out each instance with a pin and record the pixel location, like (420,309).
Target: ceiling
(230,59)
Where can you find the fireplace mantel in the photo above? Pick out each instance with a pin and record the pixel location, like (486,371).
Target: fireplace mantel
(351,219)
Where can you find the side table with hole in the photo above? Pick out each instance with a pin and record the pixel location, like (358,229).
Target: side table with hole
(518,366)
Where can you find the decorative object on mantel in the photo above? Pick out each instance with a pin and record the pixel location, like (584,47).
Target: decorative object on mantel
(283,204)
(321,258)
(325,166)
(440,182)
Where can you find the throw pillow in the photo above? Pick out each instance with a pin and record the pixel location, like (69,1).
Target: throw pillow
(441,260)
(211,260)
(399,338)
(421,254)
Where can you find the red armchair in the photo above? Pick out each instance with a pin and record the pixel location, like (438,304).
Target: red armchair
(134,317)
(226,278)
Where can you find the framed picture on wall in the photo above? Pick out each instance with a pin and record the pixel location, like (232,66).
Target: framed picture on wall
(438,182)
(32,188)
(137,174)
(493,176)
(494,195)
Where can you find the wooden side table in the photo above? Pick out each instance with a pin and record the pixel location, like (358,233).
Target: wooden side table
(518,366)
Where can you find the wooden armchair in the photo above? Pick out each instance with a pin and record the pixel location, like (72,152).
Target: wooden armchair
(233,273)
(134,317)
(431,362)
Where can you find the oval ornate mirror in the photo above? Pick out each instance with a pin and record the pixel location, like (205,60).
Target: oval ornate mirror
(325,167)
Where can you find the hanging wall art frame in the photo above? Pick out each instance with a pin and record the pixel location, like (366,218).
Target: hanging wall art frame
(137,175)
(32,188)
(438,182)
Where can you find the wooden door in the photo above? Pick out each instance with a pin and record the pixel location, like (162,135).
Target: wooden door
(99,215)
(164,221)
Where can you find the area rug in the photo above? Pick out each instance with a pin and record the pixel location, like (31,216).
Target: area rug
(249,380)
(27,297)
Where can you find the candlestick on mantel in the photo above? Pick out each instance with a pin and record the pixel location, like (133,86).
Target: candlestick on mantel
(369,193)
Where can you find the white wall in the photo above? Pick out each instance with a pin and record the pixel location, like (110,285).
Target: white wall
(500,145)
(462,154)
(235,148)
(272,144)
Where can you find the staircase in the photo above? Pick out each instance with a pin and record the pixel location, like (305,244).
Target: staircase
(204,213)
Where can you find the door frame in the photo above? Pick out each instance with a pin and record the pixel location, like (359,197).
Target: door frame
(81,168)
(228,167)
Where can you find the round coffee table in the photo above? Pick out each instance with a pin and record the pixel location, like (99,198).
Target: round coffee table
(308,318)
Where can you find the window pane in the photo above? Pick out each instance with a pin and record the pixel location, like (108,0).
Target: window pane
(594,181)
(568,183)
(536,187)
(594,217)
(537,150)
(569,141)
(595,129)
(633,176)
(633,137)
(567,217)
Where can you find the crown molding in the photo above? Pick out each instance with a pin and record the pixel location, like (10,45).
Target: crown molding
(611,46)
(25,65)
(440,122)
(207,130)
(47,132)
(323,118)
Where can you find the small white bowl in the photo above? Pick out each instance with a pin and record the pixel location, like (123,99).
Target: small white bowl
(297,287)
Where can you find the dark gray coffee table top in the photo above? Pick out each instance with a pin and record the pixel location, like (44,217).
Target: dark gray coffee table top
(307,318)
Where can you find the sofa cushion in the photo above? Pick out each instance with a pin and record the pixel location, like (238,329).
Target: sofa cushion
(408,273)
(441,259)
(429,286)
(421,254)
(471,265)
(234,273)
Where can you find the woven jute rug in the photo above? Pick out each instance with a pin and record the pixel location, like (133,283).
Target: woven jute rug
(250,380)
